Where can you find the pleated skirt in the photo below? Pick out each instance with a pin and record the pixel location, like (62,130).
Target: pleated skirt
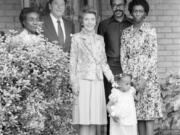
(90,106)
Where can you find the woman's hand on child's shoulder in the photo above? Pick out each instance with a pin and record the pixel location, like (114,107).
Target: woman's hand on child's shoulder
(115,85)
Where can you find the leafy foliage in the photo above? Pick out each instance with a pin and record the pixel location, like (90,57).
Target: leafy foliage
(34,86)
(170,89)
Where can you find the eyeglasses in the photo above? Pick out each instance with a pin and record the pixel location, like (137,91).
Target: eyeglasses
(117,5)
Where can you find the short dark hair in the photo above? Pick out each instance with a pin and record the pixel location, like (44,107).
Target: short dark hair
(25,12)
(111,2)
(86,10)
(118,77)
(143,3)
(50,1)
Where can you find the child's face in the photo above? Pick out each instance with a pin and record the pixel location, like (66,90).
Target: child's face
(125,83)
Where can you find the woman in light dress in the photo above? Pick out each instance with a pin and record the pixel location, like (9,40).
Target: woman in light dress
(88,63)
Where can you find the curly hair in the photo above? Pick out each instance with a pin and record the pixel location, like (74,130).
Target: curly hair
(143,3)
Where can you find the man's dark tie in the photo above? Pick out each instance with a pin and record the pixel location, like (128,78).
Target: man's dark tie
(60,33)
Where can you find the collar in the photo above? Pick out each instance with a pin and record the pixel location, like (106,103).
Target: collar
(125,19)
(54,19)
(86,34)
(84,31)
(145,27)
(25,31)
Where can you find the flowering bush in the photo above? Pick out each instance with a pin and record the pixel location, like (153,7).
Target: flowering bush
(34,87)
(170,89)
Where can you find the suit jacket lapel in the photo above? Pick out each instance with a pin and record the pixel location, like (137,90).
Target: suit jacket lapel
(50,27)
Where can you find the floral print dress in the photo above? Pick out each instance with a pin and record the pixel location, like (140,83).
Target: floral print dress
(139,58)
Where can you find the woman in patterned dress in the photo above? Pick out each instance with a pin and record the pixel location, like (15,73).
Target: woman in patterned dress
(139,58)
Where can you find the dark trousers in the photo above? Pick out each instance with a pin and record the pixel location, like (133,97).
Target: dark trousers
(108,87)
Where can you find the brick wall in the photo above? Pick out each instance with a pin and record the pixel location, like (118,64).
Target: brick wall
(165,16)
(9,13)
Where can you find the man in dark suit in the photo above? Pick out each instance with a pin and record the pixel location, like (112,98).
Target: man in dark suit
(56,27)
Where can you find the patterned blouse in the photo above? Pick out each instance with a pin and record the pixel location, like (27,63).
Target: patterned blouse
(139,58)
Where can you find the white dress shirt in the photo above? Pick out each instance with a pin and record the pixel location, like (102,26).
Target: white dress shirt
(54,20)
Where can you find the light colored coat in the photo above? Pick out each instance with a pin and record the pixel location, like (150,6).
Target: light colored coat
(87,57)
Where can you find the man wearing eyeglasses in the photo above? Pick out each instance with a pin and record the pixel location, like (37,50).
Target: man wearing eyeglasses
(111,29)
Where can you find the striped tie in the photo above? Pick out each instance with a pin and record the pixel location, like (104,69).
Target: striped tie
(60,33)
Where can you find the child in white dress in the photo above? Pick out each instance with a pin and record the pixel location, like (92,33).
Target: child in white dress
(121,107)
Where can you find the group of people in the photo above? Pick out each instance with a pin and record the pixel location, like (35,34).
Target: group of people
(113,73)
(55,27)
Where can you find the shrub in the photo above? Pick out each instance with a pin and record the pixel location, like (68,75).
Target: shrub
(34,85)
(170,89)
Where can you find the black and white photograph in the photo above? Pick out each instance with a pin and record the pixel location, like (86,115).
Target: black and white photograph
(89,67)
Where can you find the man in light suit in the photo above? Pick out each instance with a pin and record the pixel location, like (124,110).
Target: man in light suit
(56,27)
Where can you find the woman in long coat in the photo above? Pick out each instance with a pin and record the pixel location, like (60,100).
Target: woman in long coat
(88,63)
